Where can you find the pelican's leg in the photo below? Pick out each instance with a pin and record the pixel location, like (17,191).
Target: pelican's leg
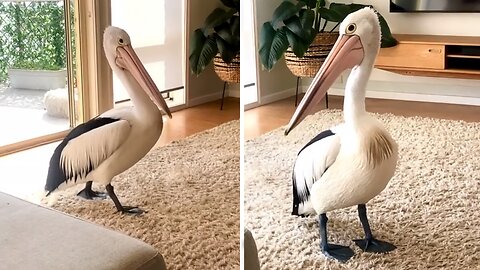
(118,205)
(337,252)
(370,244)
(89,194)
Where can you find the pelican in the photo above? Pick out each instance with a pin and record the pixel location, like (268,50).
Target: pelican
(351,163)
(114,141)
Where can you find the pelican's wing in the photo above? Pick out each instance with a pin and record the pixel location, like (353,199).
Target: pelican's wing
(312,161)
(84,149)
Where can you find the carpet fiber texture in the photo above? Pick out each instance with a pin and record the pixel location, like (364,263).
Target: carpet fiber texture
(430,209)
(191,190)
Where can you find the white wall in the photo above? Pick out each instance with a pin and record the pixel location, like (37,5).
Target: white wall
(161,50)
(458,24)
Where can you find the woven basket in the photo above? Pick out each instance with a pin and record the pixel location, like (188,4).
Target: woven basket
(312,60)
(227,72)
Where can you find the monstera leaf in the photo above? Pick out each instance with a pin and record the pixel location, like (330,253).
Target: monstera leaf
(285,11)
(235,4)
(202,51)
(273,43)
(387,38)
(298,45)
(218,17)
(297,24)
(312,3)
(291,26)
(220,34)
(226,40)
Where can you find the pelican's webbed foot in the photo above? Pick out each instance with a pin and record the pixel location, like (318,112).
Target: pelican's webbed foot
(88,194)
(374,245)
(332,251)
(370,244)
(132,210)
(123,209)
(338,252)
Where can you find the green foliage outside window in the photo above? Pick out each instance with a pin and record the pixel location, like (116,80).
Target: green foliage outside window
(32,36)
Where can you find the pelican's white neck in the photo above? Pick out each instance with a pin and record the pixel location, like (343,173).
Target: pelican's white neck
(142,104)
(354,100)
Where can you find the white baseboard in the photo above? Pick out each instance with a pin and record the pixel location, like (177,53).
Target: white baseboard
(249,106)
(234,93)
(451,99)
(177,108)
(270,98)
(212,97)
(204,99)
(413,97)
(276,96)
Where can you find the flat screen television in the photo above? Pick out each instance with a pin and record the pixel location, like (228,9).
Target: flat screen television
(435,6)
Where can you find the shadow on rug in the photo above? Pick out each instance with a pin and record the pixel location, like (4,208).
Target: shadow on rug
(191,190)
(430,209)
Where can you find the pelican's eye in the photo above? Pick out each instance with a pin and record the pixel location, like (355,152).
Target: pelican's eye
(120,41)
(351,28)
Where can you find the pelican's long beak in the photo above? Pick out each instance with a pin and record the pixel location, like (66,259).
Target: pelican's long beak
(128,59)
(346,53)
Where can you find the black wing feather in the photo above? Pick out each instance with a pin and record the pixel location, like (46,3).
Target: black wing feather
(56,175)
(302,197)
(321,135)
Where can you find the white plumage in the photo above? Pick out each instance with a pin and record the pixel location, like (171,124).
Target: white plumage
(111,143)
(311,164)
(357,175)
(93,147)
(352,163)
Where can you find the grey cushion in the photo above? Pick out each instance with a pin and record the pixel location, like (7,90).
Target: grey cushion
(34,237)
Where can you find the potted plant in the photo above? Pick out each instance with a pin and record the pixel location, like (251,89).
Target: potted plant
(218,40)
(39,75)
(300,29)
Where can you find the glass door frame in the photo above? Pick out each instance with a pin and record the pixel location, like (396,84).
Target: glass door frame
(49,138)
(94,77)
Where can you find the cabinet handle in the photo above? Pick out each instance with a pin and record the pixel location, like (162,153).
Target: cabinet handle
(435,50)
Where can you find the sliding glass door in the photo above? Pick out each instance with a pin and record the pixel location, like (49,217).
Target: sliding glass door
(36,97)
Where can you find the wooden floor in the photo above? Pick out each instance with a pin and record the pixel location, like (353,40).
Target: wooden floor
(196,119)
(263,119)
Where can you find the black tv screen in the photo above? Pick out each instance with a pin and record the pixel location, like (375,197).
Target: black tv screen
(435,6)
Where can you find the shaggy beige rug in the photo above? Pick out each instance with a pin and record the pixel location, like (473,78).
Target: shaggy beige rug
(191,190)
(430,210)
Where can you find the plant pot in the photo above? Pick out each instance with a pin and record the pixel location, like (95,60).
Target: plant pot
(312,60)
(227,72)
(37,79)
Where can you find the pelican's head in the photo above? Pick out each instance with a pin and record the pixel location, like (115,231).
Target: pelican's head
(365,25)
(122,58)
(357,44)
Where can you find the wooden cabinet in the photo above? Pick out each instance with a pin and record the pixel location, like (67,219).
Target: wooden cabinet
(435,56)
(410,55)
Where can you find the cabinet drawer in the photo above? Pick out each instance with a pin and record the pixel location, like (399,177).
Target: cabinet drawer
(411,55)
